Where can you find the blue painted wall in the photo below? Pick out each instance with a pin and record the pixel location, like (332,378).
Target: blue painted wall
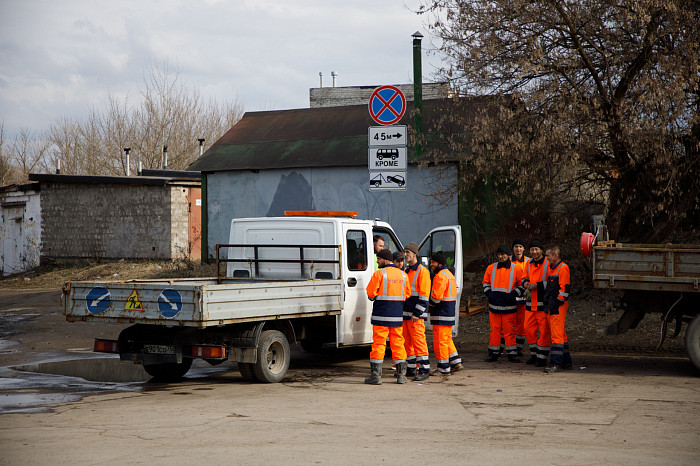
(268,193)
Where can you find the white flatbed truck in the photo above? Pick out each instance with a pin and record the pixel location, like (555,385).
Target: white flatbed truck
(296,278)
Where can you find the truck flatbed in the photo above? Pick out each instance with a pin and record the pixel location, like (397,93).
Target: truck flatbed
(200,302)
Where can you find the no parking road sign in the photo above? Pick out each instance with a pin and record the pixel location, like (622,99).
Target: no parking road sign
(387,105)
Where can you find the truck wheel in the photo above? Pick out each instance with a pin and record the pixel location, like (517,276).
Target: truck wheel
(273,357)
(247,371)
(168,371)
(692,340)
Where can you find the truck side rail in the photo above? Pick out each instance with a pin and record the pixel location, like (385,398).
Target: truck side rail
(255,261)
(670,267)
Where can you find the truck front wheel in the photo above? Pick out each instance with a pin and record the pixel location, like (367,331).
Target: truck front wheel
(692,340)
(168,371)
(273,357)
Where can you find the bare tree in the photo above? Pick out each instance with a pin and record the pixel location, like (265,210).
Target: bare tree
(168,113)
(28,153)
(8,172)
(597,97)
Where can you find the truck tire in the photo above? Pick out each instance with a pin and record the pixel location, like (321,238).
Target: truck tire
(168,371)
(692,341)
(247,371)
(273,357)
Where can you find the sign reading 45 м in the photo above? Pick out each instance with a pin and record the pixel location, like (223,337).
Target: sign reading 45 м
(388,136)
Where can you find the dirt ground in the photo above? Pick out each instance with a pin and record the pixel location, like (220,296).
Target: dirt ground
(623,403)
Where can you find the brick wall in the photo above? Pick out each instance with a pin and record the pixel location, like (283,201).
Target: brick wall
(112,221)
(359,95)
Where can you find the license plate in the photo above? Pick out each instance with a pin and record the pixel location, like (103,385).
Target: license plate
(159,349)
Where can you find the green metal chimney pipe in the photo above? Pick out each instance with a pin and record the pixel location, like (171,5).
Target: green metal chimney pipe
(417,95)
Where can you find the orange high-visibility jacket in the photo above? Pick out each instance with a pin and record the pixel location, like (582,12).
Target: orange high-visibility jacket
(537,272)
(417,303)
(443,298)
(502,284)
(388,288)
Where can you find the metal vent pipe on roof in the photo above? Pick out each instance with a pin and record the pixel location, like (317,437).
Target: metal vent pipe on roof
(320,77)
(58,166)
(201,146)
(140,168)
(165,157)
(335,76)
(128,160)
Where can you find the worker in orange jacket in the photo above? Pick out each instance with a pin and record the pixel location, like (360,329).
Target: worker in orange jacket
(415,314)
(536,319)
(557,304)
(503,282)
(519,258)
(388,289)
(443,316)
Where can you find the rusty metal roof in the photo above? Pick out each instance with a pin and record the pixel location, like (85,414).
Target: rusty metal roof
(300,138)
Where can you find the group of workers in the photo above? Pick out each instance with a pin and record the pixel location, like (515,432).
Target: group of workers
(527,299)
(402,300)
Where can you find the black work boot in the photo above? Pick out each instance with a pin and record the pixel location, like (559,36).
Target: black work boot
(375,377)
(421,376)
(532,360)
(401,372)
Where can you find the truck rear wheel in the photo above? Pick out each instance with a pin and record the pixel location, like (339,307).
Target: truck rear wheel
(247,371)
(168,371)
(692,340)
(273,357)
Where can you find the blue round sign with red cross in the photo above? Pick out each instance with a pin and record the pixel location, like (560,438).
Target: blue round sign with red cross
(387,105)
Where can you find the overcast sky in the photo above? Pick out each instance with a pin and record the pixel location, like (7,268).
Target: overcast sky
(62,57)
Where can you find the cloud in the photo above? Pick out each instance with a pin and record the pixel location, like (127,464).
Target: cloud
(62,58)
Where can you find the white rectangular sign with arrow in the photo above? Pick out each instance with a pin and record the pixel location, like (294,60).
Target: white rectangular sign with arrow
(393,136)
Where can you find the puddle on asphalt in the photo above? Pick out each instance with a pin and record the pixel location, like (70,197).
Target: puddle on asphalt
(37,387)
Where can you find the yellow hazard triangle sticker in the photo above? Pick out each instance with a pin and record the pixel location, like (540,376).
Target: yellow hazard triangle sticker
(133,302)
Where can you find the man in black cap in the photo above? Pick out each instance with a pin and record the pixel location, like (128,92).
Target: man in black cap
(503,282)
(415,313)
(443,316)
(536,319)
(398,259)
(519,258)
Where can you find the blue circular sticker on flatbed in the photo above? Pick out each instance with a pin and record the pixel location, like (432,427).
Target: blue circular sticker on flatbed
(98,300)
(169,303)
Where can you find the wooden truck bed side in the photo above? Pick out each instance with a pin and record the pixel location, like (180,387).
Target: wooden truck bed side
(648,267)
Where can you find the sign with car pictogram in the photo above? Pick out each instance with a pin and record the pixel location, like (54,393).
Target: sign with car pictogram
(387,181)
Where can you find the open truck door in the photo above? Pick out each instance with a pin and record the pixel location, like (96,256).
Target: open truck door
(447,240)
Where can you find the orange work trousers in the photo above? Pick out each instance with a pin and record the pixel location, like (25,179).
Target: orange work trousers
(414,341)
(502,324)
(396,341)
(534,322)
(520,320)
(444,348)
(556,325)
